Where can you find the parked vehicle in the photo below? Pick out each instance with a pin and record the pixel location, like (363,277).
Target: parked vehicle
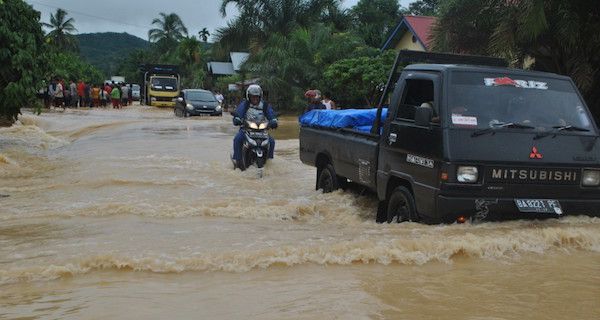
(161,85)
(135,92)
(255,148)
(196,102)
(466,142)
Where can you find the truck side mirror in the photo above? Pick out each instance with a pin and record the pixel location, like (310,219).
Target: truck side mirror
(179,99)
(423,115)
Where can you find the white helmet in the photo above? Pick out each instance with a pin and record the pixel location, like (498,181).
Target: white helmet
(253,90)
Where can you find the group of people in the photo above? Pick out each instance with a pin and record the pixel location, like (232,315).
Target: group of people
(81,94)
(316,100)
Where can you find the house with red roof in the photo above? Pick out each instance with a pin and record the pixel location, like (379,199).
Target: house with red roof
(411,33)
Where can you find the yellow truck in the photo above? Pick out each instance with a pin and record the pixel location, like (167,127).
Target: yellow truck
(162,85)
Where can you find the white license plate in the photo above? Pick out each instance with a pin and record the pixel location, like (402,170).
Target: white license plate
(539,206)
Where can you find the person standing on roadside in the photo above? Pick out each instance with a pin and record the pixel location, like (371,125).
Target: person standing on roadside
(59,95)
(51,92)
(314,100)
(103,96)
(95,96)
(108,90)
(327,102)
(74,95)
(80,92)
(87,92)
(67,93)
(124,94)
(115,94)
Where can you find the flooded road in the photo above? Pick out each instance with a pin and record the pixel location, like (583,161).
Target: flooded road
(137,214)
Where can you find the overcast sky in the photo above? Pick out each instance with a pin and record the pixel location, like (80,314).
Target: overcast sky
(135,16)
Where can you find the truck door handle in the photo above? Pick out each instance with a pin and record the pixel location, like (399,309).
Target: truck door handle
(392,138)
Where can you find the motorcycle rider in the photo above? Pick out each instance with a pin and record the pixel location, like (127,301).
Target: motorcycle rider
(255,105)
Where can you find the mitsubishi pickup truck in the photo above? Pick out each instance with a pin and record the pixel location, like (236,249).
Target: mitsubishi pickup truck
(464,138)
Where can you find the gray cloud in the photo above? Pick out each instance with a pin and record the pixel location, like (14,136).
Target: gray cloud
(135,17)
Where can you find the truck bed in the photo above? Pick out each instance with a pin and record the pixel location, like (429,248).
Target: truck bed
(353,153)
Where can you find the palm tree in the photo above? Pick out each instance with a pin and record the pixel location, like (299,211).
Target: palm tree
(259,19)
(170,30)
(61,31)
(204,34)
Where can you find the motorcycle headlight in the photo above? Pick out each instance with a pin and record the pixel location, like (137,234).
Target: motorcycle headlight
(263,125)
(152,98)
(591,178)
(189,106)
(252,125)
(467,174)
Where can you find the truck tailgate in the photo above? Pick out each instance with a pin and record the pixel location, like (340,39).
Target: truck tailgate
(352,153)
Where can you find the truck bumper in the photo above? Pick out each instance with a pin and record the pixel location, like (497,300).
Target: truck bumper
(450,208)
(162,104)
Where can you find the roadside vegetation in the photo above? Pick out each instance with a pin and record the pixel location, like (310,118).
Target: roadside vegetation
(305,44)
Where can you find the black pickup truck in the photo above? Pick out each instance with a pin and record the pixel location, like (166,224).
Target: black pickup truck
(467,138)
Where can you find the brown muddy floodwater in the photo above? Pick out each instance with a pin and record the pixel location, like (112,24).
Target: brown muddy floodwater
(136,214)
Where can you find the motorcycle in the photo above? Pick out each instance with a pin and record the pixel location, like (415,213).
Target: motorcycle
(255,147)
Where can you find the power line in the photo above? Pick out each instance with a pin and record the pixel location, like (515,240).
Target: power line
(92,16)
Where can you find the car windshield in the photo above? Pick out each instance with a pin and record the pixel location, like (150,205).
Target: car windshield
(200,96)
(164,84)
(486,100)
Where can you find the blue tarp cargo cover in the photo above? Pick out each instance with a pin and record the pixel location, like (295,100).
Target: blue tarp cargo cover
(357,119)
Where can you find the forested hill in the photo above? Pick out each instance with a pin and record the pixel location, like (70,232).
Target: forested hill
(105,50)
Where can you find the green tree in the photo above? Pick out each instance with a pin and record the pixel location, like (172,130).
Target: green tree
(359,78)
(373,19)
(170,30)
(204,34)
(61,31)
(190,59)
(560,36)
(290,64)
(22,58)
(423,8)
(259,19)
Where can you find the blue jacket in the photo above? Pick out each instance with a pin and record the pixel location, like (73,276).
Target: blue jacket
(243,108)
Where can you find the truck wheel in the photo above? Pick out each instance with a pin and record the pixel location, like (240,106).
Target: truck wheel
(402,205)
(327,180)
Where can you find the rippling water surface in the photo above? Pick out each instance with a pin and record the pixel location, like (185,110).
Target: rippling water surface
(137,214)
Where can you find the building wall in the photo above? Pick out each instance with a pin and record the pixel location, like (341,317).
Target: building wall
(406,43)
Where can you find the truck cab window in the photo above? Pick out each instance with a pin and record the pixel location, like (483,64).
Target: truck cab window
(416,93)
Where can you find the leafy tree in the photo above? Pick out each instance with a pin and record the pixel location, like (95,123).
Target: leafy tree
(561,36)
(170,30)
(204,34)
(423,8)
(373,19)
(68,66)
(190,59)
(359,78)
(259,19)
(22,59)
(290,64)
(61,33)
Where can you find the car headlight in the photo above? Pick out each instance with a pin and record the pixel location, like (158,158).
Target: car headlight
(189,106)
(152,99)
(591,178)
(467,174)
(263,125)
(252,125)
(218,108)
